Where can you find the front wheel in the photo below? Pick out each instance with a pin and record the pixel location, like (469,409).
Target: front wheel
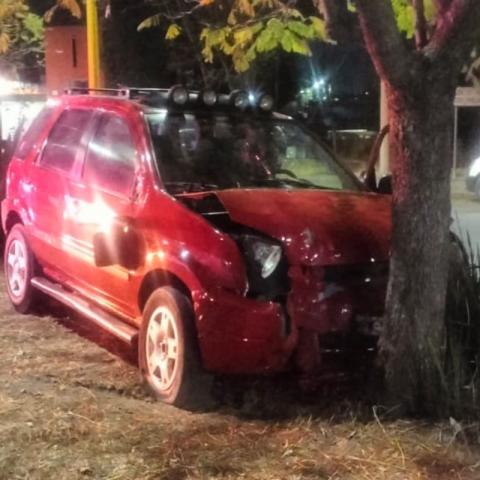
(169,357)
(19,266)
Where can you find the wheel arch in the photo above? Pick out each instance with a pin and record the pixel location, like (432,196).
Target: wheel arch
(12,219)
(158,278)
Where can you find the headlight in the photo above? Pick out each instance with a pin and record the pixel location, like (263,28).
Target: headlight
(268,257)
(474,168)
(267,267)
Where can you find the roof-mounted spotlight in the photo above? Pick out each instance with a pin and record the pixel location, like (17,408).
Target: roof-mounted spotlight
(239,99)
(178,95)
(266,103)
(208,97)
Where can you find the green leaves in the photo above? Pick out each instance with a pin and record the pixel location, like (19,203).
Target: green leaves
(173,31)
(244,42)
(430,10)
(150,22)
(266,41)
(245,7)
(405,15)
(247,29)
(215,39)
(34,26)
(21,33)
(301,29)
(319,27)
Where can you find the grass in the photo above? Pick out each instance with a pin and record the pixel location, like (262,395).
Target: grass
(71,407)
(461,367)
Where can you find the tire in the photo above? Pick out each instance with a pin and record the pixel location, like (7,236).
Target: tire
(19,265)
(172,369)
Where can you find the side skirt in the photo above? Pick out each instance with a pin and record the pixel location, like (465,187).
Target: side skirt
(106,321)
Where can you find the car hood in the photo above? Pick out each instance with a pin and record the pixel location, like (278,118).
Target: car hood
(316,227)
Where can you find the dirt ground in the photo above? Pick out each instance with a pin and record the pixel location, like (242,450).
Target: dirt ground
(72,407)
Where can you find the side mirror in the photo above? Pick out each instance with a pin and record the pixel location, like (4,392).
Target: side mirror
(370,177)
(385,185)
(121,245)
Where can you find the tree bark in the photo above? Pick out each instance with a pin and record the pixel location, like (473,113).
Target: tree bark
(420,89)
(412,343)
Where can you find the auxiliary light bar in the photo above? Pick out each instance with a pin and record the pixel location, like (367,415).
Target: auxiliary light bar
(181,96)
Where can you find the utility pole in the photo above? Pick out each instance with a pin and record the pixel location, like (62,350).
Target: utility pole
(93,42)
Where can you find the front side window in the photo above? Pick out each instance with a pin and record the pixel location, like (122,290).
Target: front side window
(110,160)
(220,151)
(63,142)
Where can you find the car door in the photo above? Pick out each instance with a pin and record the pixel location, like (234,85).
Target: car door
(99,200)
(48,185)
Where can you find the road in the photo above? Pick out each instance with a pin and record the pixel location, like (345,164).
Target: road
(466,214)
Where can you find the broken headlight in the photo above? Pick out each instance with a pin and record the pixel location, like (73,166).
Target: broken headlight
(267,256)
(267,267)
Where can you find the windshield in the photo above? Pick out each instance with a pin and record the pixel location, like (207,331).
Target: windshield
(197,152)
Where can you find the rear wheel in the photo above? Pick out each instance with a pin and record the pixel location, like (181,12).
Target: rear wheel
(19,264)
(169,356)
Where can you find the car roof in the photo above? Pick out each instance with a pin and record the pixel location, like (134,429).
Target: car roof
(97,101)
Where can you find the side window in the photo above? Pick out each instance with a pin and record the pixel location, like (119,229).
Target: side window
(110,160)
(64,140)
(29,138)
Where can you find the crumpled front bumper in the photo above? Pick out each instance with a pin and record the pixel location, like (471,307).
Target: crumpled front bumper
(323,315)
(242,335)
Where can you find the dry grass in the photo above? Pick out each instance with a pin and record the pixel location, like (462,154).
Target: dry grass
(72,409)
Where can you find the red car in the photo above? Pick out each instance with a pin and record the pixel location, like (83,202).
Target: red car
(216,235)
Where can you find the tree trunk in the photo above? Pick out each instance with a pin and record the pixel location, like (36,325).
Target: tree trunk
(412,343)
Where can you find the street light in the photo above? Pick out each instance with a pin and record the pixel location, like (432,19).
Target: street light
(318,83)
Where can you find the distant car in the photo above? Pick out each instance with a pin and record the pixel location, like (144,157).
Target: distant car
(211,233)
(473,178)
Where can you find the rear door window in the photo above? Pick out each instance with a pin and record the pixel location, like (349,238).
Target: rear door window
(110,160)
(64,141)
(31,136)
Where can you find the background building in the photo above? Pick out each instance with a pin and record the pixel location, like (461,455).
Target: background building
(65,57)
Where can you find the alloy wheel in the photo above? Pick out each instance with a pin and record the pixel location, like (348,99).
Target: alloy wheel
(162,348)
(17,268)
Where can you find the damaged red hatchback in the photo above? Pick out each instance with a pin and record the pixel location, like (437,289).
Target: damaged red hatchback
(217,236)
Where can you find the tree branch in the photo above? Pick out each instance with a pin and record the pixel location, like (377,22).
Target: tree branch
(420,24)
(442,5)
(394,62)
(457,28)
(340,24)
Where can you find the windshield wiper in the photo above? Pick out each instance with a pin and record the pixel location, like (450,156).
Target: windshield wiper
(191,187)
(289,182)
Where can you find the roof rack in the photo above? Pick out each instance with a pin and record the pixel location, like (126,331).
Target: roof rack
(118,92)
(85,90)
